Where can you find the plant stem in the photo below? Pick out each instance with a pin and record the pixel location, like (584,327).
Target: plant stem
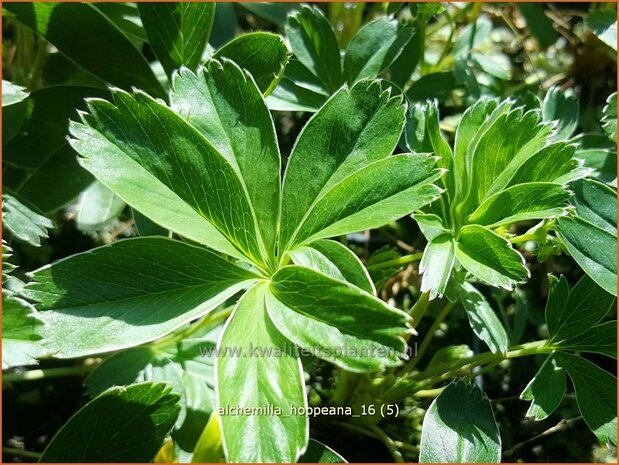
(445,371)
(21,453)
(403,260)
(420,307)
(389,444)
(428,337)
(47,373)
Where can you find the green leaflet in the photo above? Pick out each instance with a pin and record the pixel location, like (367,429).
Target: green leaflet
(483,320)
(520,203)
(124,424)
(21,332)
(595,394)
(459,427)
(236,121)
(263,54)
(336,321)
(436,265)
(332,146)
(489,257)
(609,120)
(124,66)
(374,48)
(157,147)
(545,390)
(503,169)
(374,195)
(12,93)
(591,235)
(335,260)
(22,222)
(317,452)
(569,313)
(43,167)
(97,206)
(251,348)
(595,203)
(599,339)
(128,293)
(178,32)
(314,43)
(561,107)
(187,366)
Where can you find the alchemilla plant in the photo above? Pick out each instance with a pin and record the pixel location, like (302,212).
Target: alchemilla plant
(351,228)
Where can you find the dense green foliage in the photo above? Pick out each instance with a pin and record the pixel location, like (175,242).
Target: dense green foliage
(343,223)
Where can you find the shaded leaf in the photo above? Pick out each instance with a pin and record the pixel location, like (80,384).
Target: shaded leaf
(97,205)
(178,32)
(317,452)
(12,93)
(124,66)
(604,26)
(545,390)
(263,54)
(124,424)
(609,120)
(24,223)
(483,320)
(459,427)
(436,265)
(595,394)
(562,107)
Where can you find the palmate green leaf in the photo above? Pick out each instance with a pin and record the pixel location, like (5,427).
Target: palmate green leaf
(97,205)
(483,320)
(187,366)
(236,122)
(257,369)
(22,222)
(373,48)
(459,427)
(263,54)
(561,107)
(178,32)
(489,257)
(12,93)
(509,140)
(21,332)
(128,293)
(317,452)
(569,313)
(436,265)
(520,203)
(124,66)
(546,389)
(161,165)
(43,167)
(314,44)
(590,236)
(335,260)
(121,425)
(336,321)
(596,396)
(609,120)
